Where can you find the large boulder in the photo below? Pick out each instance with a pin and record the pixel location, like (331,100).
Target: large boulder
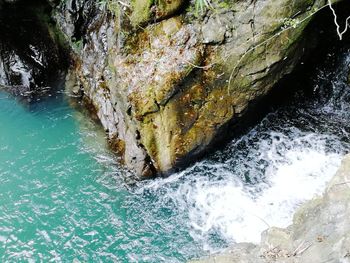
(165,87)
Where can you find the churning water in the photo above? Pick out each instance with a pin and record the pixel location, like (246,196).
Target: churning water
(63,198)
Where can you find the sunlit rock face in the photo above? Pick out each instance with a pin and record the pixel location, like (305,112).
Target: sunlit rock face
(30,59)
(166,80)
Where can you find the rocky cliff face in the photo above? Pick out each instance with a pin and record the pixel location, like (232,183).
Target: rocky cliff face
(165,78)
(320,231)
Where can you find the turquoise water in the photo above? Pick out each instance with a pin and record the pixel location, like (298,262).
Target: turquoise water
(64,198)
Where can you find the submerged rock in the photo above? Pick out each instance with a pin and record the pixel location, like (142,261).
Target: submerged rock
(320,231)
(165,87)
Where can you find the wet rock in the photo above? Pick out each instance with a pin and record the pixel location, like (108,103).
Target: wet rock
(31,64)
(146,10)
(167,86)
(74,16)
(320,231)
(213,31)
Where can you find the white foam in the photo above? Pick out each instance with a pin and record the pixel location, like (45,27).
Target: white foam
(262,178)
(298,168)
(240,213)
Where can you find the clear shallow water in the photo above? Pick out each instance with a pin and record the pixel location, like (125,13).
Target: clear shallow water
(63,198)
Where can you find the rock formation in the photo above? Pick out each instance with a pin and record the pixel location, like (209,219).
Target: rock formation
(165,79)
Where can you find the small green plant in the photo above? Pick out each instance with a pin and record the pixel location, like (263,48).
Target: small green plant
(77,45)
(290,23)
(102,4)
(114,6)
(202,5)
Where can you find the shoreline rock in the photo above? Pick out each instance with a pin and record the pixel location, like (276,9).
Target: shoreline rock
(320,231)
(165,80)
(166,84)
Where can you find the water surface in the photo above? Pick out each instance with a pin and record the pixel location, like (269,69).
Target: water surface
(63,198)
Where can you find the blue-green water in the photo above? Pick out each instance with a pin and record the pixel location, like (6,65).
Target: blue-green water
(63,197)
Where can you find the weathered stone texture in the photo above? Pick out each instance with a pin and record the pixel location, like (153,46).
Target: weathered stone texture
(166,85)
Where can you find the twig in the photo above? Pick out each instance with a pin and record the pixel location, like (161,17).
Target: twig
(299,251)
(340,33)
(345,182)
(201,67)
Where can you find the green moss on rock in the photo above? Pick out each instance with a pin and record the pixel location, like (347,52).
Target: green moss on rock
(146,10)
(141,12)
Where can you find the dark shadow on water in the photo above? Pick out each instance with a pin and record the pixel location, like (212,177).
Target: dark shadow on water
(32,60)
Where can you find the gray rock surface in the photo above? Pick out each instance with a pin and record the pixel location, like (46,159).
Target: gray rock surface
(164,84)
(320,231)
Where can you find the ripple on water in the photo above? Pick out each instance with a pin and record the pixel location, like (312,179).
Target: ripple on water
(63,198)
